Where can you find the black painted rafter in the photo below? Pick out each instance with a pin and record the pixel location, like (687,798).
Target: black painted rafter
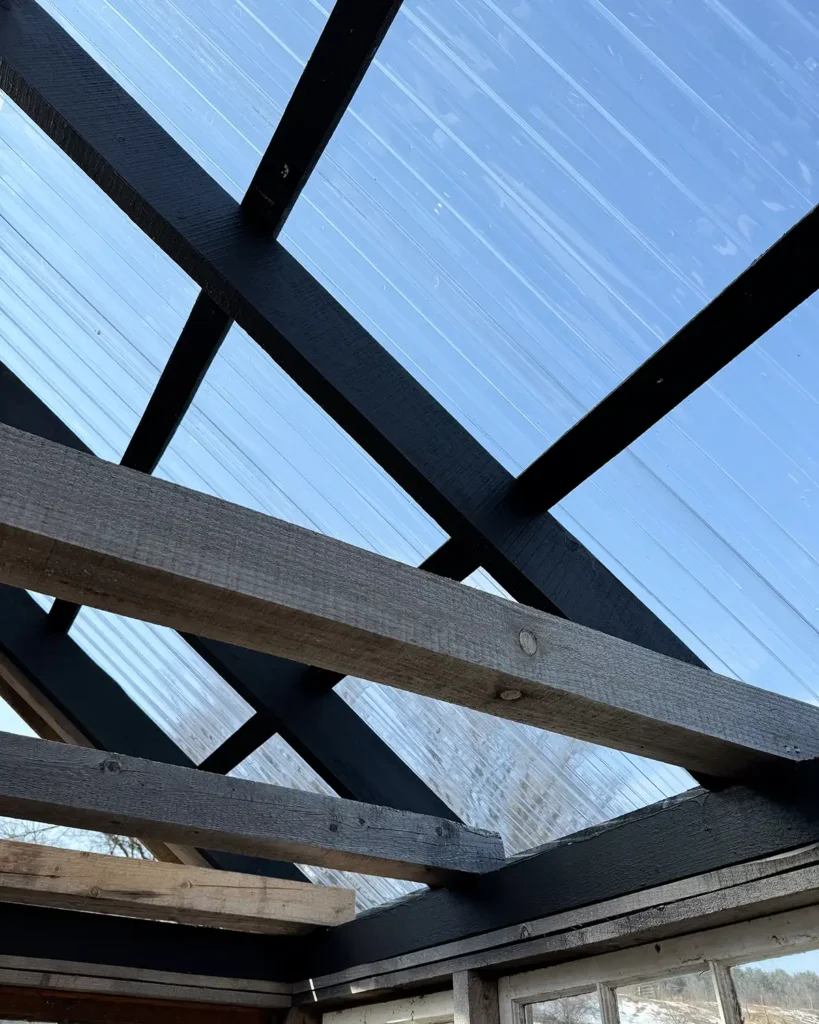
(773,286)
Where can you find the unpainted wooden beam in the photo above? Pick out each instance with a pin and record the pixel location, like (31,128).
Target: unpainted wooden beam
(76,786)
(474,999)
(46,876)
(80,528)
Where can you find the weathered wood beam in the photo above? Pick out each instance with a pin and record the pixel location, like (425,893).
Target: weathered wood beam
(76,786)
(297,700)
(46,876)
(474,999)
(80,528)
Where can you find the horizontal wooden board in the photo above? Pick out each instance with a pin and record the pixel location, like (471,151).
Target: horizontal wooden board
(85,530)
(49,877)
(52,782)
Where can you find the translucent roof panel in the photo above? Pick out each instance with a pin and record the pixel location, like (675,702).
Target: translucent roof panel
(711,517)
(89,307)
(170,682)
(278,763)
(252,436)
(216,74)
(525,200)
(530,785)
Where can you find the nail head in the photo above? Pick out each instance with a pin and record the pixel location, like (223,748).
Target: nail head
(510,695)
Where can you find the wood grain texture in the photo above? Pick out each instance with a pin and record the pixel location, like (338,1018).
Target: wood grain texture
(61,785)
(609,1010)
(298,700)
(727,1000)
(79,702)
(83,529)
(474,999)
(739,942)
(49,877)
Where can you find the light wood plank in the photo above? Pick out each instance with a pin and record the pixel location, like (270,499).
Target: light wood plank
(69,879)
(52,782)
(85,530)
(474,999)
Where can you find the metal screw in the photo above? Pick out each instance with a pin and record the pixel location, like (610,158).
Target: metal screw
(528,641)
(510,695)
(285,171)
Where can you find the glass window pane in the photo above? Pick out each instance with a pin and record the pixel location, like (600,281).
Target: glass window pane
(216,74)
(277,763)
(89,307)
(780,991)
(685,999)
(170,682)
(582,1009)
(710,517)
(525,200)
(252,436)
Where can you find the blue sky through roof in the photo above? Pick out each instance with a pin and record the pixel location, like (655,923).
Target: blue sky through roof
(525,200)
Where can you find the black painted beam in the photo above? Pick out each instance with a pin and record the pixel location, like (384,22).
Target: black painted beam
(341,56)
(669,841)
(332,357)
(293,698)
(760,297)
(43,933)
(195,349)
(239,745)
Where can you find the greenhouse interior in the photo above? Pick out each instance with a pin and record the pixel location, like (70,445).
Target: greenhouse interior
(409,577)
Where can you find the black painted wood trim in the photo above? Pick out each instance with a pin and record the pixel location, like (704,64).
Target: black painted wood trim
(696,832)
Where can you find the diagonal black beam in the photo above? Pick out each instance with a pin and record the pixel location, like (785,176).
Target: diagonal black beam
(773,286)
(330,78)
(287,696)
(308,333)
(195,349)
(694,833)
(339,61)
(299,702)
(239,745)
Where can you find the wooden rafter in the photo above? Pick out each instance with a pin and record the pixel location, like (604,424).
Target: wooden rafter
(46,876)
(80,528)
(62,785)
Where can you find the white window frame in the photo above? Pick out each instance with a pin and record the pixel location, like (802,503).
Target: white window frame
(763,938)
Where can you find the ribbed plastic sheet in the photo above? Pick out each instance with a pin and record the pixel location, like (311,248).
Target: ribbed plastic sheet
(216,74)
